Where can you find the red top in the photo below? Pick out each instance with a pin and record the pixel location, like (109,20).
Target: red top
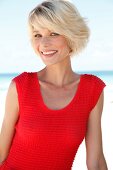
(47,139)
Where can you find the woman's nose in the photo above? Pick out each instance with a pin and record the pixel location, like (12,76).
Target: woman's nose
(45,41)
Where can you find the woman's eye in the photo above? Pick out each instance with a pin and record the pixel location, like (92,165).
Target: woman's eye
(37,35)
(54,34)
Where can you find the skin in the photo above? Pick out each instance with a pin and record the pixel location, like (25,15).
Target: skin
(58,69)
(57,76)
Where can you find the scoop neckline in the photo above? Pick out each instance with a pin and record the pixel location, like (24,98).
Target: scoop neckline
(44,107)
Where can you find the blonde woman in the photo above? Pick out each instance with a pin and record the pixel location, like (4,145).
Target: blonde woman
(48,113)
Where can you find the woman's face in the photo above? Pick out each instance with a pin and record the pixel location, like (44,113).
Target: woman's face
(50,46)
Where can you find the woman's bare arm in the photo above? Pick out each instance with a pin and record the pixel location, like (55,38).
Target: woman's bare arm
(9,121)
(94,150)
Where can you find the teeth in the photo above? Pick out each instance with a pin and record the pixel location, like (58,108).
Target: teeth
(48,52)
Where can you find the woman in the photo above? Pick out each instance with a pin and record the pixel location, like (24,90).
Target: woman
(49,113)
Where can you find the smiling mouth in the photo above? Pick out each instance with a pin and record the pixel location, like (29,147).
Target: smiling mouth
(48,53)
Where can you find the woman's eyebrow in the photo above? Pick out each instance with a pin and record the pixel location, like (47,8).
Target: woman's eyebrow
(35,31)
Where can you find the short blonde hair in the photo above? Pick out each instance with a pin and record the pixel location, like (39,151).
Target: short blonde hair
(62,17)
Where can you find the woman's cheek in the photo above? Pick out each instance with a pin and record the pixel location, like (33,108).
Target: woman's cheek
(35,45)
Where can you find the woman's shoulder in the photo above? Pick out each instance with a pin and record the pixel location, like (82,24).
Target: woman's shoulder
(91,78)
(23,75)
(20,75)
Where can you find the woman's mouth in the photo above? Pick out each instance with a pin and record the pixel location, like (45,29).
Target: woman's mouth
(48,53)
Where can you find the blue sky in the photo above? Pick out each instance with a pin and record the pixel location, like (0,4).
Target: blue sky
(17,55)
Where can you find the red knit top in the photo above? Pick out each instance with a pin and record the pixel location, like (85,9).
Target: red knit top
(47,139)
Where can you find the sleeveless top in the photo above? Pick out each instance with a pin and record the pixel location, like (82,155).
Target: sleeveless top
(47,139)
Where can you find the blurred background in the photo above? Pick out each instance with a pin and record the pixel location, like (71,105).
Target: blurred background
(17,56)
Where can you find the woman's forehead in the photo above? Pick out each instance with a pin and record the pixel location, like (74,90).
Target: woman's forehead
(42,29)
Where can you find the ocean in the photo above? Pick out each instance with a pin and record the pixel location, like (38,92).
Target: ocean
(106,76)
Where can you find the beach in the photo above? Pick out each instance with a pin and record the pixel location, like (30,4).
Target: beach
(107,127)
